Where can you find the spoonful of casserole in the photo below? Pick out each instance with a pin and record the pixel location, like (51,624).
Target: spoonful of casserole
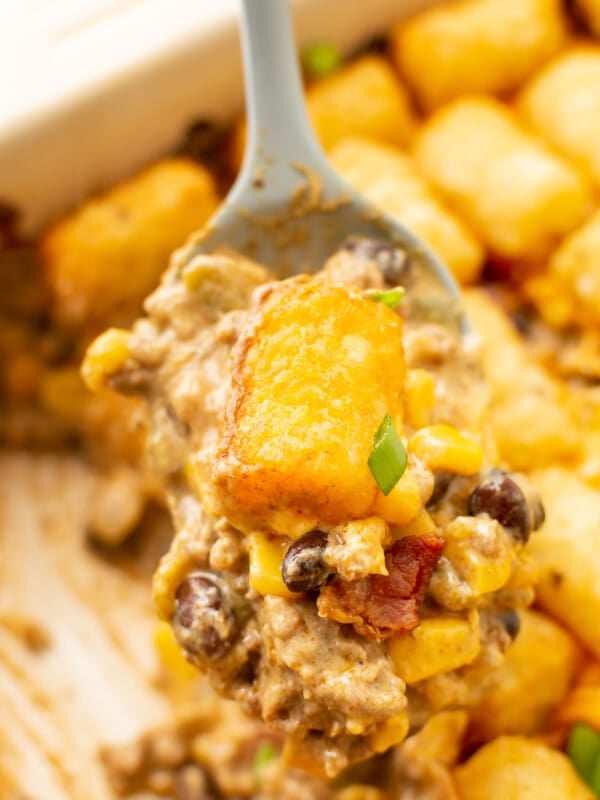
(347,559)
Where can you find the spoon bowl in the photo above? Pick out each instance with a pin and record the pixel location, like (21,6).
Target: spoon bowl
(288,209)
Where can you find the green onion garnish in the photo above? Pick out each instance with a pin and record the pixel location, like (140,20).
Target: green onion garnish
(319,60)
(263,756)
(583,748)
(391,297)
(594,779)
(388,458)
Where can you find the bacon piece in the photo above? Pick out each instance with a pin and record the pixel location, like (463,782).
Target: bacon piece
(382,605)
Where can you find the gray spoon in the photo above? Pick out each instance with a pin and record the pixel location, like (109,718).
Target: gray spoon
(288,209)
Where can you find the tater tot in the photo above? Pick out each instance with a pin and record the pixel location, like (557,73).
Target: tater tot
(567,552)
(515,768)
(263,471)
(529,416)
(365,98)
(576,268)
(104,258)
(568,293)
(519,196)
(391,180)
(534,678)
(562,103)
(476,46)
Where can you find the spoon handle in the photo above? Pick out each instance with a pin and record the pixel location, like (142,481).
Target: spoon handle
(278,125)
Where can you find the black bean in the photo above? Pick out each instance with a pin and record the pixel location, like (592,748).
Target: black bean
(501,498)
(393,261)
(441,484)
(511,622)
(249,670)
(203,141)
(523,320)
(9,219)
(304,568)
(209,143)
(8,215)
(378,44)
(204,621)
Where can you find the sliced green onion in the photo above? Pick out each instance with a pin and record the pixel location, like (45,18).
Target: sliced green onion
(263,756)
(320,60)
(583,748)
(388,458)
(594,778)
(391,297)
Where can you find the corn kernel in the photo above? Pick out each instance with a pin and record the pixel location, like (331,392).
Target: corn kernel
(356,727)
(483,573)
(391,732)
(171,655)
(194,475)
(403,503)
(419,397)
(200,270)
(443,448)
(437,645)
(298,756)
(441,738)
(106,355)
(170,572)
(524,574)
(489,576)
(266,556)
(418,527)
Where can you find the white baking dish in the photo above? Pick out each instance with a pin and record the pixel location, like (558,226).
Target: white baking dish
(114,83)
